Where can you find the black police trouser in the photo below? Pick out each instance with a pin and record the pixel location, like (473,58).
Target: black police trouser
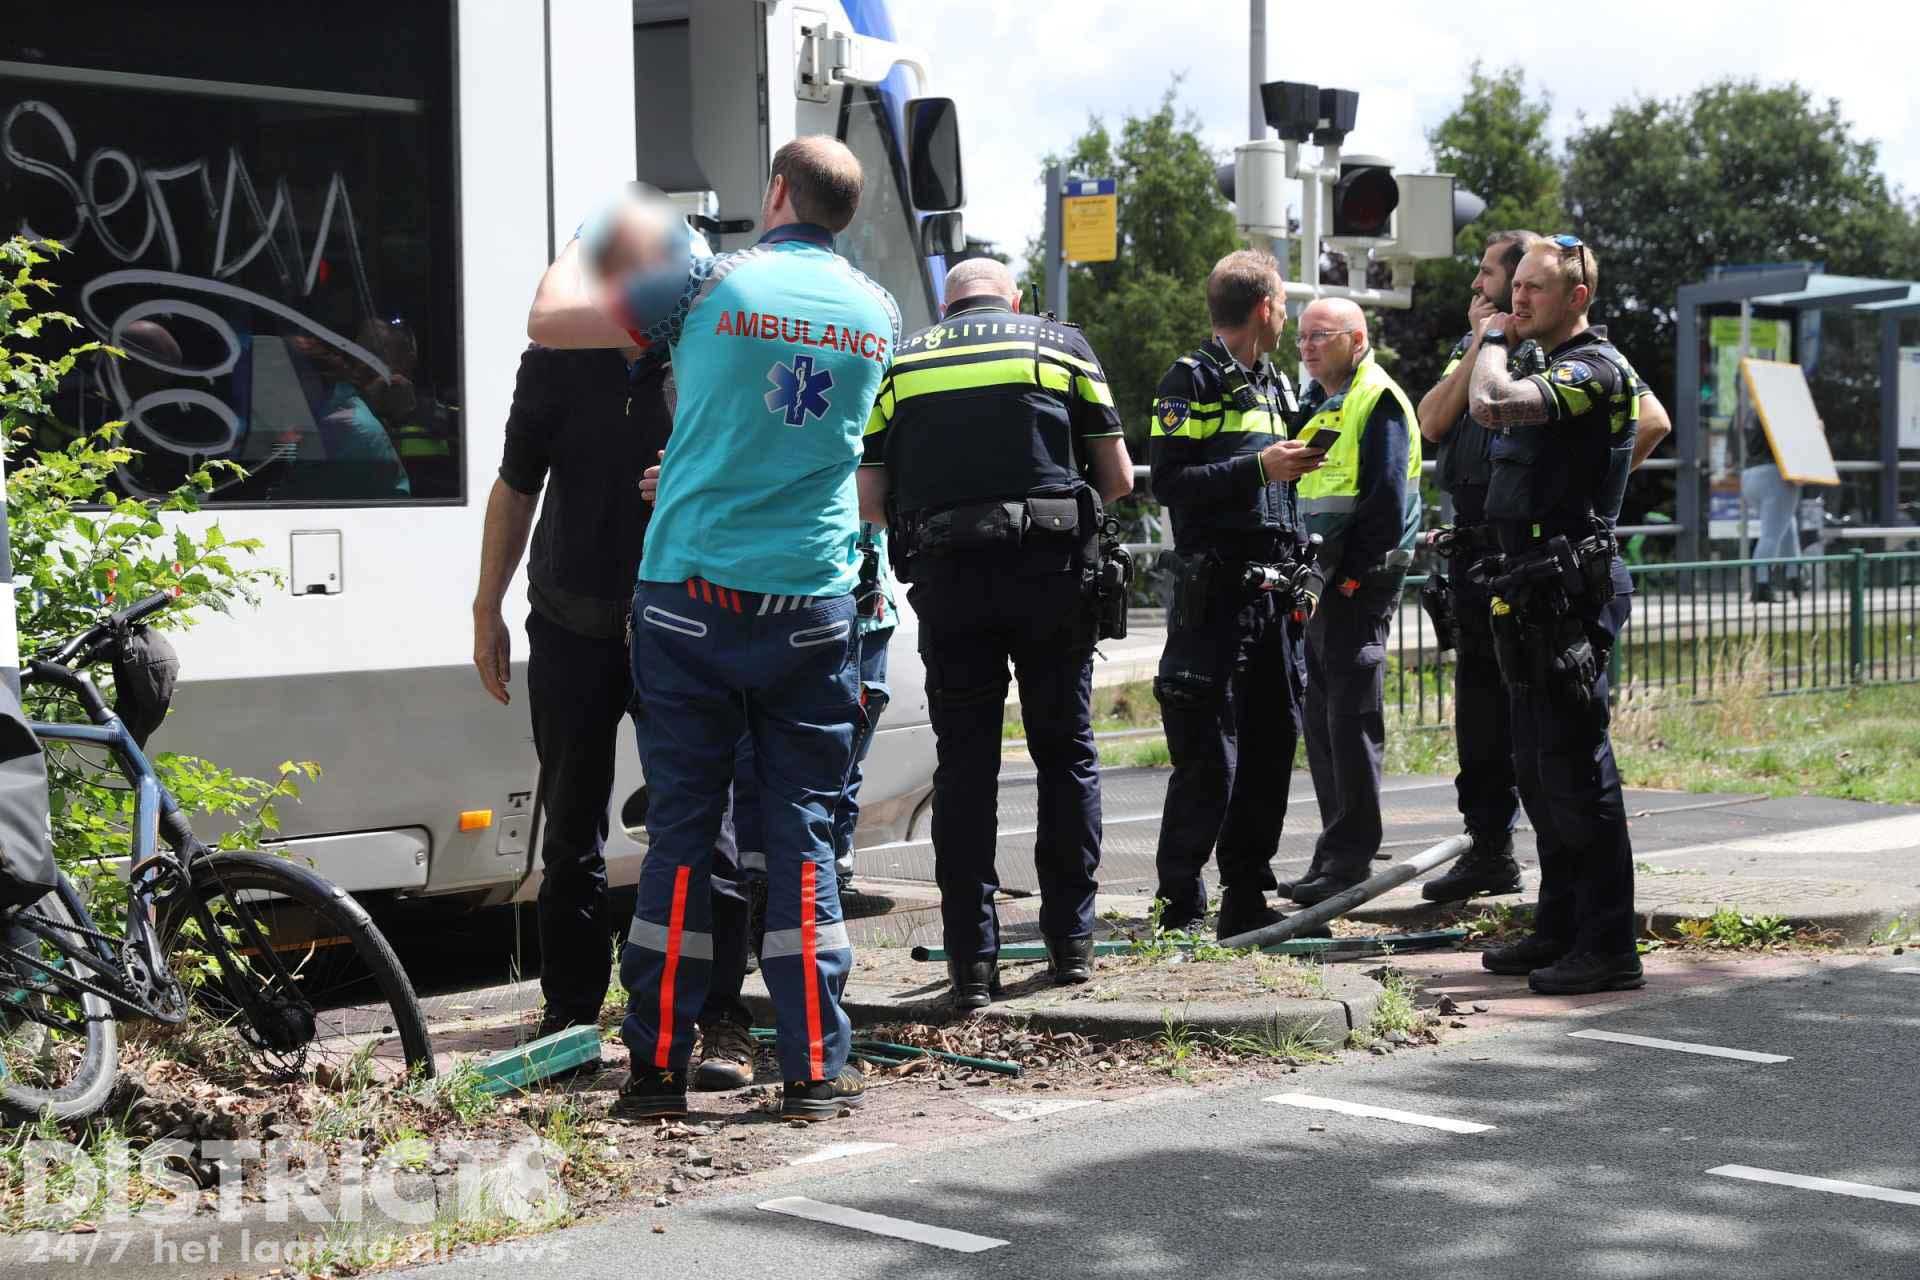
(1346,725)
(976,616)
(1571,787)
(1231,694)
(578,688)
(1482,720)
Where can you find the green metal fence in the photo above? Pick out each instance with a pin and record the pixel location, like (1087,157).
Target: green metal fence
(1696,631)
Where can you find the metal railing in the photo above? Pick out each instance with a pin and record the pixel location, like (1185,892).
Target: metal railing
(1696,632)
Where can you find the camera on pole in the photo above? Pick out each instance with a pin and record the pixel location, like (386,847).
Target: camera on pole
(1351,204)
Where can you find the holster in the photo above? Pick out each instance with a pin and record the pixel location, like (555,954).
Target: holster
(1509,645)
(1571,667)
(1197,581)
(1436,597)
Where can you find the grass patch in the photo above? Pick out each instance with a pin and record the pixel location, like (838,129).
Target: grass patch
(1396,1010)
(1732,930)
(1271,1041)
(1857,745)
(1115,707)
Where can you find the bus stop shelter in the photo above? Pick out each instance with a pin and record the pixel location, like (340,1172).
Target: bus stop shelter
(1793,289)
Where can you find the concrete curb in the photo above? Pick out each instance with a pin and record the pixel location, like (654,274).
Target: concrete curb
(1853,910)
(1350,1003)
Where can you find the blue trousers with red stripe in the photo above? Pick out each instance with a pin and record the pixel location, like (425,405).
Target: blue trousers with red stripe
(711,664)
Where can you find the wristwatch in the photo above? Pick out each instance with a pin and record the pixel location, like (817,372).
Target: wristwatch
(1493,335)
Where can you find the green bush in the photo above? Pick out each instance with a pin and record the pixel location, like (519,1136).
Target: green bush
(80,549)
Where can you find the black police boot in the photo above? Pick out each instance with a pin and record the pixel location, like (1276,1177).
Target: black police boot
(1285,888)
(1243,911)
(1522,957)
(1321,887)
(1583,972)
(1070,960)
(975,983)
(1485,868)
(1179,917)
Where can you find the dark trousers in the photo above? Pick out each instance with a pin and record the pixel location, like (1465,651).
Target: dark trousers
(874,696)
(1571,788)
(1231,696)
(1346,723)
(975,618)
(1482,720)
(711,666)
(578,688)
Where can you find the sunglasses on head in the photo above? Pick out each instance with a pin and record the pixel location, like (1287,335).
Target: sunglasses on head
(1579,246)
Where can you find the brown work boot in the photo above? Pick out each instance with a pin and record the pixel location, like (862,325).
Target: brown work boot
(726,1056)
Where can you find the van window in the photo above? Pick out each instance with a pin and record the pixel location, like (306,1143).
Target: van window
(884,240)
(257,203)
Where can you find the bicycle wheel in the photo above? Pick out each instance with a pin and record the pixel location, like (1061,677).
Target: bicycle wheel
(326,986)
(59,1044)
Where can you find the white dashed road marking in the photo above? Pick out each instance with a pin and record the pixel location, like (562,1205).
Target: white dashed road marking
(1679,1046)
(1833,1186)
(1908,969)
(841,1150)
(1030,1108)
(1312,1103)
(880,1225)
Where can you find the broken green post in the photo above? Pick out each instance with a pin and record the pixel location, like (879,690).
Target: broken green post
(523,1065)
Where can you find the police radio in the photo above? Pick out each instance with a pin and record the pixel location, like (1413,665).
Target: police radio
(1113,584)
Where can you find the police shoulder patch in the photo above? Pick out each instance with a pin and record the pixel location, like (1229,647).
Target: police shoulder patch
(1572,371)
(1173,412)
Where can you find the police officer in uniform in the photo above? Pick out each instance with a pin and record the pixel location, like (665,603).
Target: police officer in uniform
(1557,599)
(975,455)
(1232,681)
(1488,797)
(1364,503)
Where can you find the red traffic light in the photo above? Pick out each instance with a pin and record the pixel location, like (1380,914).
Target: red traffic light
(1364,199)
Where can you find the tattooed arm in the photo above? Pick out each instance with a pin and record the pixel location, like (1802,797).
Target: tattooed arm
(1496,398)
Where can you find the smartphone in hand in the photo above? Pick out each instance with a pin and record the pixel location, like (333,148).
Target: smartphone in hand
(1323,439)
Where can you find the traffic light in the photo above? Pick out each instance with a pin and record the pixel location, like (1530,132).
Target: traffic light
(1364,198)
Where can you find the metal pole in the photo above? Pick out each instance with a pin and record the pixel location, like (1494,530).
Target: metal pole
(1256,68)
(1367,890)
(1054,250)
(1687,436)
(9,618)
(1740,410)
(1889,418)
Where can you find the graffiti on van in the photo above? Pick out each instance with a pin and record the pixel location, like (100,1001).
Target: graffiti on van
(152,278)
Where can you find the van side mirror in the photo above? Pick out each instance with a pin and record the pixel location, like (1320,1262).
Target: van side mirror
(933,155)
(941,235)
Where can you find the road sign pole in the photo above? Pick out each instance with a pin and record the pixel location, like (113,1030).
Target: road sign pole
(1055,249)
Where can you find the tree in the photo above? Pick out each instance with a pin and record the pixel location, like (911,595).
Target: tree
(1148,306)
(1735,173)
(1495,143)
(79,547)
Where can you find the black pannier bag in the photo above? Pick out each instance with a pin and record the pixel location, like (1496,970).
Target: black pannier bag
(27,869)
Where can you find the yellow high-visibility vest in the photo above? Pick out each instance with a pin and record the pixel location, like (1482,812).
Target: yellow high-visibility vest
(1328,496)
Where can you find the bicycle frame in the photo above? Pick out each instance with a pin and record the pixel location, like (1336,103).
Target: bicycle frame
(147,876)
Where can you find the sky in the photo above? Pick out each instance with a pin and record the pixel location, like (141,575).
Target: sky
(1027,74)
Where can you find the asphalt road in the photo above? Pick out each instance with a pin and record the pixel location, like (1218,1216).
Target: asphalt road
(1599,1160)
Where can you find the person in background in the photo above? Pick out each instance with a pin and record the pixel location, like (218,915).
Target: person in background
(991,447)
(1232,678)
(1364,503)
(1775,500)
